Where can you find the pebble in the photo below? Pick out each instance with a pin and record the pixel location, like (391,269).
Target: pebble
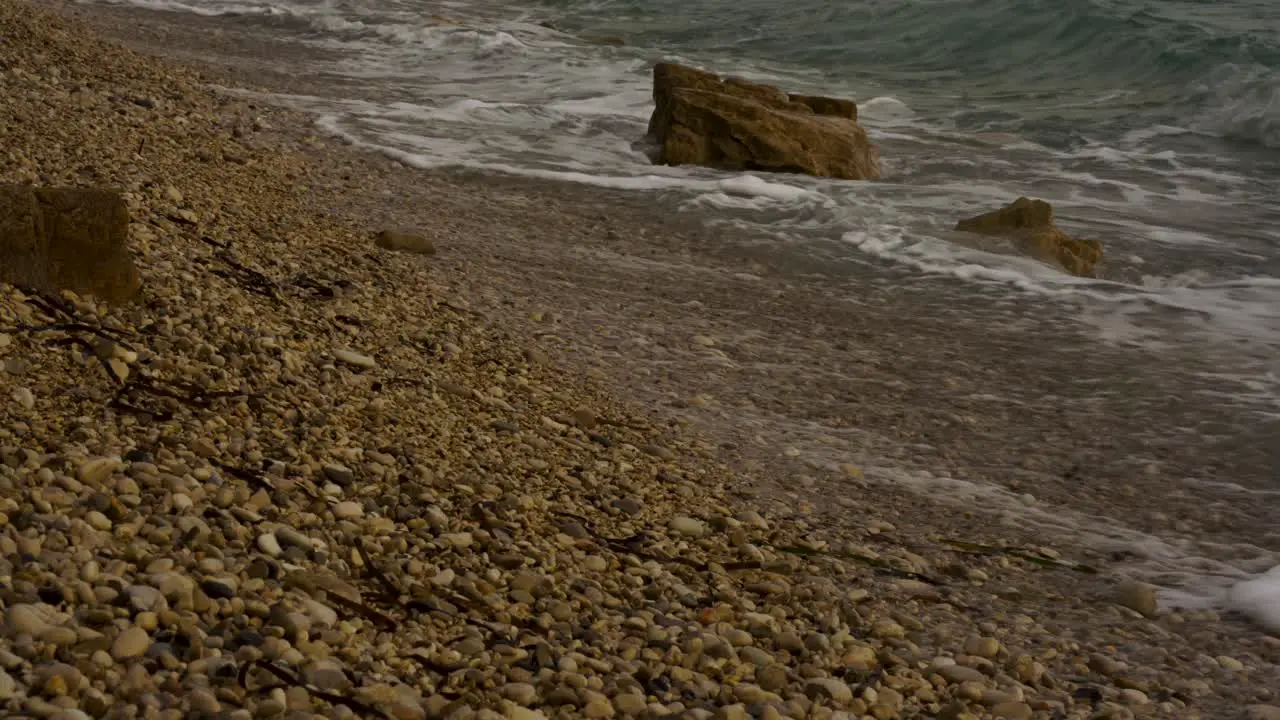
(94,472)
(327,675)
(347,510)
(203,701)
(956,674)
(321,615)
(268,544)
(1130,696)
(24,397)
(1012,711)
(98,521)
(885,628)
(1226,662)
(772,678)
(688,526)
(598,706)
(218,590)
(340,475)
(131,643)
(790,641)
(520,693)
(827,688)
(630,704)
(290,537)
(737,711)
(355,359)
(983,647)
(23,618)
(59,636)
(1137,596)
(459,540)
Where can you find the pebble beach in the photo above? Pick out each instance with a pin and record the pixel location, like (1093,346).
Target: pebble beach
(343,460)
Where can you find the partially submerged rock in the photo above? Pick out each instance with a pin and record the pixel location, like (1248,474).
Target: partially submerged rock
(702,119)
(54,239)
(1030,224)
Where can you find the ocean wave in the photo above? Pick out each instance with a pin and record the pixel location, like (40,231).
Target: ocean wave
(208,9)
(1029,66)
(1242,103)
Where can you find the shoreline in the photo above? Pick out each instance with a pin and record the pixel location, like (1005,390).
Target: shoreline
(476,281)
(1102,393)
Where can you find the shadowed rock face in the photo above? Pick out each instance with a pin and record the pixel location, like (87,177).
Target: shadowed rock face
(54,239)
(1029,223)
(702,119)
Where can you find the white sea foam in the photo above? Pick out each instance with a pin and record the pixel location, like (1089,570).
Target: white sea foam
(207,9)
(1246,104)
(1259,598)
(1147,133)
(1190,572)
(884,109)
(742,186)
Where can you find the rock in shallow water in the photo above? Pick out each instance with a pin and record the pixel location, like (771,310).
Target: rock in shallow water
(1029,223)
(702,119)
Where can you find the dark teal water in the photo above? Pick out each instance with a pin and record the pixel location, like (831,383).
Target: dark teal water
(1058,70)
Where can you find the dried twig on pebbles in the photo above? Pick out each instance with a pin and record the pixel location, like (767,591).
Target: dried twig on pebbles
(290,680)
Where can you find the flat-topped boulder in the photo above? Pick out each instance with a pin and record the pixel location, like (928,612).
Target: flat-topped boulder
(54,239)
(700,118)
(1029,224)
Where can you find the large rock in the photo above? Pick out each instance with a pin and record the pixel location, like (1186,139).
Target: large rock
(54,239)
(1029,223)
(702,119)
